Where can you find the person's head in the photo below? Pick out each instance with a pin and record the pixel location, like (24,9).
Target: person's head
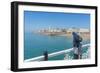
(73,33)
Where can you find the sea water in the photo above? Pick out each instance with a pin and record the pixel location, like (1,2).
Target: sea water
(36,44)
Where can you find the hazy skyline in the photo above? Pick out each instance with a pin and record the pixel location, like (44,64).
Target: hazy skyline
(42,20)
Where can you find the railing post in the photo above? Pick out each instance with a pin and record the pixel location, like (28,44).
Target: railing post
(45,56)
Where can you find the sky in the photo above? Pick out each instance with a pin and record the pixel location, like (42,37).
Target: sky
(41,20)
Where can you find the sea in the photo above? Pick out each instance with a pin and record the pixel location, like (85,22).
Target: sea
(36,44)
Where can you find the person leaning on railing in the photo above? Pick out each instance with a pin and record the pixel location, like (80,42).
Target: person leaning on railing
(77,46)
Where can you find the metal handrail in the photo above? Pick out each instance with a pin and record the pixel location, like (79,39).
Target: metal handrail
(39,58)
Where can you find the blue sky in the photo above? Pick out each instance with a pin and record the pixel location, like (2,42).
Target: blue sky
(40,20)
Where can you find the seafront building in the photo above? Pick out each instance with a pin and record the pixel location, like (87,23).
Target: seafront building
(65,31)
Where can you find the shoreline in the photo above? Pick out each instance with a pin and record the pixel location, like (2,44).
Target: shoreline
(83,35)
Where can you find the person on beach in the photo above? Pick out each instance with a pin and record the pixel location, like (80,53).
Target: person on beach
(77,46)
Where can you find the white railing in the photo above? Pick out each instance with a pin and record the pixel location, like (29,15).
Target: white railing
(39,58)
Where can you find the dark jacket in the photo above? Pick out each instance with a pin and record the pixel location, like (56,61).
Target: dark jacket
(76,39)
